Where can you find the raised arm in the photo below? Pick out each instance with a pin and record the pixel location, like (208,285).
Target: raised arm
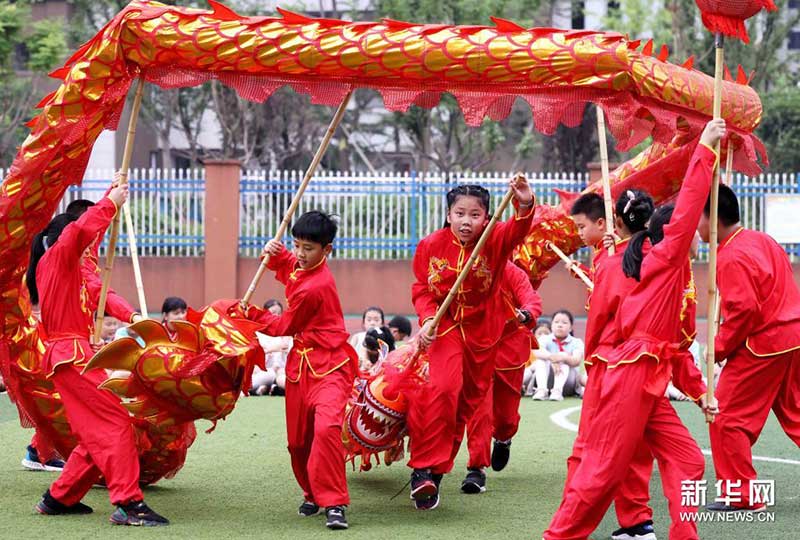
(679,232)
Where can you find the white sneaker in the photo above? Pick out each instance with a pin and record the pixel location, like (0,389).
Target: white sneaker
(540,395)
(556,395)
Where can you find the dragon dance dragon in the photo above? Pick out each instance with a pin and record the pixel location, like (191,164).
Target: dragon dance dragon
(486,68)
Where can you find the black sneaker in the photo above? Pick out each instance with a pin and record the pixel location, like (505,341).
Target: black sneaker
(51,507)
(642,531)
(308,509)
(501,451)
(335,519)
(422,485)
(137,514)
(722,507)
(475,482)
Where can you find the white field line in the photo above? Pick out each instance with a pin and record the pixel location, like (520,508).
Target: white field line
(561,419)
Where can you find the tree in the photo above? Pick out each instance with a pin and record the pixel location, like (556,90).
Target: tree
(27,52)
(780,127)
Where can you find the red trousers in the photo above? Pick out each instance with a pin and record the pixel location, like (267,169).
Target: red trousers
(106,442)
(632,499)
(625,415)
(314,416)
(497,416)
(459,379)
(749,387)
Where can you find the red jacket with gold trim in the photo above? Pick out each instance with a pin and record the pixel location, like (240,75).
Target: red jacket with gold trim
(313,317)
(649,320)
(760,299)
(69,289)
(477,310)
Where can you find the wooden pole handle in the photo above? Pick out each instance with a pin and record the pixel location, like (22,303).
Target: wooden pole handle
(713,230)
(134,250)
(123,179)
(287,218)
(563,256)
(609,205)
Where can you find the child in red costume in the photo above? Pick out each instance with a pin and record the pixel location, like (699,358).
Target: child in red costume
(321,366)
(610,288)
(632,405)
(462,349)
(498,414)
(760,338)
(68,292)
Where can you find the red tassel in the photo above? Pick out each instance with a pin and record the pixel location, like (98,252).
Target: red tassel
(648,48)
(689,64)
(663,54)
(729,26)
(741,76)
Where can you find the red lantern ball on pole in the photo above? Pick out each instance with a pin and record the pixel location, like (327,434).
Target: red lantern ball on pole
(727,16)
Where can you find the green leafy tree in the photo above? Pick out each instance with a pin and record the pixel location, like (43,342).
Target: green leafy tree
(27,52)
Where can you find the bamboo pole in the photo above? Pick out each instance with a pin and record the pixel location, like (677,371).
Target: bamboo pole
(133,248)
(123,179)
(563,256)
(713,218)
(609,205)
(337,118)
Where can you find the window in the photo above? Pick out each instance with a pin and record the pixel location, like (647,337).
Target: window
(794,40)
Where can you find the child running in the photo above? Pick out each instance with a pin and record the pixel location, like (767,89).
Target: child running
(462,349)
(321,366)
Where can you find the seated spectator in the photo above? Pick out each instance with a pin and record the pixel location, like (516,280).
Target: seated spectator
(378,343)
(401,330)
(272,380)
(555,370)
(541,333)
(371,318)
(110,327)
(173,309)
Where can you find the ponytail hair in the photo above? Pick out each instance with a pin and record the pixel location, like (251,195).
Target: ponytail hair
(634,207)
(41,243)
(633,257)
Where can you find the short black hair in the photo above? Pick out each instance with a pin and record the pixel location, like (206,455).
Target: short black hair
(171,303)
(589,204)
(78,207)
(728,206)
(566,312)
(315,226)
(402,324)
(372,308)
(272,302)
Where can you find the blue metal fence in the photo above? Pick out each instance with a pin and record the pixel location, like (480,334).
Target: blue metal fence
(381,217)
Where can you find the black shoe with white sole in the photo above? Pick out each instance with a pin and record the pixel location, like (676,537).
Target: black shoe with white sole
(475,482)
(722,507)
(642,531)
(335,518)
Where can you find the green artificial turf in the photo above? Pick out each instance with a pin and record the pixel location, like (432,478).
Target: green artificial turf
(237,483)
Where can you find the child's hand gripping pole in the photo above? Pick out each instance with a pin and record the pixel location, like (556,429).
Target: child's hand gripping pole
(112,242)
(609,210)
(427,337)
(578,272)
(287,218)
